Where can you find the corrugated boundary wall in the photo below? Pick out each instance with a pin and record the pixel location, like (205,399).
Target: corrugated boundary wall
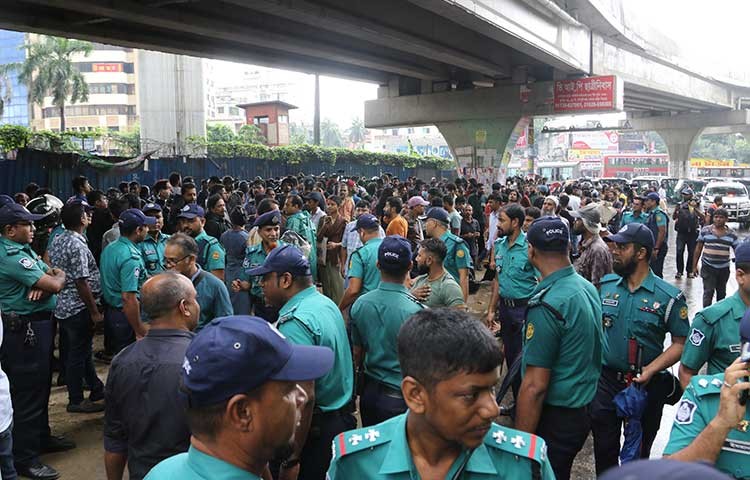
(45,168)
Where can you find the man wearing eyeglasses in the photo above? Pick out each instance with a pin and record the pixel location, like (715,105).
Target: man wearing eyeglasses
(180,255)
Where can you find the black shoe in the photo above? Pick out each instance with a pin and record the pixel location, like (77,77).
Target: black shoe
(61,380)
(57,443)
(38,471)
(86,406)
(97,395)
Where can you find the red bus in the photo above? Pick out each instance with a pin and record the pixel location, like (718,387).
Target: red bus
(629,165)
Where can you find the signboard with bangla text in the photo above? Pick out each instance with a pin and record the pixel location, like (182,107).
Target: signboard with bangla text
(106,67)
(586,94)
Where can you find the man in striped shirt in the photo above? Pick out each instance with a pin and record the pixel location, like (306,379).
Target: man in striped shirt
(714,242)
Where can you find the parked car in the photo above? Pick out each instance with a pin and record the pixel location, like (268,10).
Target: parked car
(735,198)
(696,185)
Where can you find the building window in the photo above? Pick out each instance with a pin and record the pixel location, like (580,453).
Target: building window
(89,110)
(113,129)
(221,109)
(260,120)
(394,132)
(234,111)
(409,131)
(426,130)
(283,119)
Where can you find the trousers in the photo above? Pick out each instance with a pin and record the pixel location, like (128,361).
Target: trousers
(316,453)
(714,280)
(333,282)
(511,323)
(657,263)
(118,333)
(565,430)
(77,335)
(379,402)
(687,240)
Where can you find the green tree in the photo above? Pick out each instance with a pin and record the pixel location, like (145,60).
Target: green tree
(219,133)
(5,85)
(48,71)
(299,134)
(330,134)
(357,132)
(129,142)
(251,134)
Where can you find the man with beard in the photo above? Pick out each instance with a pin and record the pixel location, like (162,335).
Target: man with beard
(188,194)
(152,248)
(594,260)
(458,258)
(216,222)
(638,309)
(444,291)
(562,351)
(211,255)
(514,283)
(241,418)
(306,317)
(268,226)
(449,367)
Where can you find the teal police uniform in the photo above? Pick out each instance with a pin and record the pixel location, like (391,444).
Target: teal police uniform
(698,406)
(363,265)
(301,223)
(20,269)
(213,297)
(381,452)
(254,257)
(196,465)
(631,217)
(713,336)
(211,254)
(122,270)
(457,255)
(152,251)
(517,278)
(376,318)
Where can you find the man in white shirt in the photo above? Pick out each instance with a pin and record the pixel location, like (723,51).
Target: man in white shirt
(494,202)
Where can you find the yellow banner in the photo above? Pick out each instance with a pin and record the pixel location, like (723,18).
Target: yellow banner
(710,162)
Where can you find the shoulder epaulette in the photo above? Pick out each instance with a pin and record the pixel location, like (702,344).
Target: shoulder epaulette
(715,312)
(610,277)
(516,442)
(361,439)
(669,289)
(414,299)
(538,301)
(703,385)
(287,315)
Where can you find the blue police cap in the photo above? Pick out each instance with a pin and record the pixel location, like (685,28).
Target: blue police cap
(394,253)
(151,207)
(269,218)
(191,211)
(439,214)
(549,234)
(367,221)
(742,253)
(633,233)
(133,217)
(13,213)
(83,203)
(6,200)
(237,354)
(663,469)
(653,196)
(286,258)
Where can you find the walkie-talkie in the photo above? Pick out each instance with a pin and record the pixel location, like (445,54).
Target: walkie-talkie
(745,350)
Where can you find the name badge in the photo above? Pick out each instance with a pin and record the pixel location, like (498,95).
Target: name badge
(610,302)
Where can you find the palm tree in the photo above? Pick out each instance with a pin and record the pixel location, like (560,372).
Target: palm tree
(5,85)
(49,72)
(357,132)
(330,135)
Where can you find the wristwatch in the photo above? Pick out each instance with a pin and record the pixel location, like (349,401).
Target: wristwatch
(290,462)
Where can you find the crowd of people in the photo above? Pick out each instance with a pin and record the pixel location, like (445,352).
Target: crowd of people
(252,326)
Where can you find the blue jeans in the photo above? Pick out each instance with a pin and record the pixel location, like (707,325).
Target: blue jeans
(77,335)
(7,469)
(118,333)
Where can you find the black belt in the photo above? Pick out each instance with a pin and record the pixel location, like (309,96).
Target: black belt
(613,374)
(514,302)
(345,410)
(385,389)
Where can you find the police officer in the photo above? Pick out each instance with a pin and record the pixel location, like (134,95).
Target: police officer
(562,353)
(233,408)
(268,227)
(638,309)
(635,213)
(27,301)
(123,273)
(713,332)
(375,318)
(364,275)
(658,223)
(298,220)
(309,318)
(514,283)
(450,366)
(152,248)
(211,255)
(458,258)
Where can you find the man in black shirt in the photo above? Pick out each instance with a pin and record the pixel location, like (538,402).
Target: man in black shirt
(144,423)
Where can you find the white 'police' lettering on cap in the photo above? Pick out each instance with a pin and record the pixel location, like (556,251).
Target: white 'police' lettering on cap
(186,208)
(391,254)
(554,231)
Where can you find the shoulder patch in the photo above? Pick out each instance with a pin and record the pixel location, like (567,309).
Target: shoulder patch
(696,336)
(516,442)
(26,263)
(216,255)
(684,315)
(685,412)
(460,253)
(357,440)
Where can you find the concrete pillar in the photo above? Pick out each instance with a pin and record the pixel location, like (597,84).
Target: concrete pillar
(483,143)
(679,145)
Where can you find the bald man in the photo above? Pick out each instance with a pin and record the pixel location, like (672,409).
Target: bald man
(142,426)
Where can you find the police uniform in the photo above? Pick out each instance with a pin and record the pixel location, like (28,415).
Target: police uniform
(212,296)
(517,279)
(363,265)
(122,270)
(698,406)
(301,224)
(631,217)
(376,318)
(713,336)
(254,257)
(27,347)
(658,218)
(642,318)
(211,255)
(563,334)
(458,256)
(152,251)
(381,452)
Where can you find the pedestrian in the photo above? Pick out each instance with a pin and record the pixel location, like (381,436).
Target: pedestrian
(713,250)
(471,233)
(363,273)
(454,216)
(493,203)
(514,283)
(314,204)
(143,424)
(562,348)
(532,213)
(152,248)
(594,260)
(216,223)
(77,309)
(638,310)
(458,259)
(267,227)
(298,221)
(27,301)
(713,331)
(101,221)
(331,234)
(635,214)
(443,290)
(187,194)
(415,232)
(181,256)
(234,242)
(658,223)
(81,188)
(688,219)
(450,368)
(123,273)
(397,225)
(307,317)
(116,207)
(233,409)
(718,203)
(211,255)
